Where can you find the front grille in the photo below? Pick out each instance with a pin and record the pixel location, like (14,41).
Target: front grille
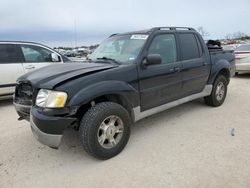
(24,93)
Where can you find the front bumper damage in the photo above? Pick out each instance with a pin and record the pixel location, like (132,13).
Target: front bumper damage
(47,125)
(47,128)
(23,111)
(51,140)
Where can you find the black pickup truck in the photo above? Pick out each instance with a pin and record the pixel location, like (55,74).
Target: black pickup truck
(128,77)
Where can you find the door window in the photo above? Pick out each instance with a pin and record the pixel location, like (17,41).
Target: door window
(189,46)
(37,54)
(9,53)
(165,46)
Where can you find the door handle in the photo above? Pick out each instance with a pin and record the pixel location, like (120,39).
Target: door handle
(177,69)
(29,67)
(171,70)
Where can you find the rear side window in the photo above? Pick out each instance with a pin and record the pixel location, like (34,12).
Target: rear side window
(165,46)
(199,46)
(9,53)
(189,46)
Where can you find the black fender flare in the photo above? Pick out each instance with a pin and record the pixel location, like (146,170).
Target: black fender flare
(109,87)
(217,68)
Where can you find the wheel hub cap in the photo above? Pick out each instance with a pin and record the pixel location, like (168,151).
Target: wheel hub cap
(220,91)
(110,132)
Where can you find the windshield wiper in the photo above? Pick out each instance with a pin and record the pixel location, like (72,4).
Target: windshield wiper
(109,59)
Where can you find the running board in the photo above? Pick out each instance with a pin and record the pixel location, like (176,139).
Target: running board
(137,114)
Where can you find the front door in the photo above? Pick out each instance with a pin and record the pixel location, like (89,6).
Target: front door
(160,84)
(36,57)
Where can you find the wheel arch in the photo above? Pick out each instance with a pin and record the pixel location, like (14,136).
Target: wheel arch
(221,67)
(225,72)
(113,91)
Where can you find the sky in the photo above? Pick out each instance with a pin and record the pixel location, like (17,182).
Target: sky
(85,22)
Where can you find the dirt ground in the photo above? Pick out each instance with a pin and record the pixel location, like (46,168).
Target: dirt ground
(187,146)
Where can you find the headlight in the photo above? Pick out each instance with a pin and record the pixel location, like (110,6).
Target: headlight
(51,99)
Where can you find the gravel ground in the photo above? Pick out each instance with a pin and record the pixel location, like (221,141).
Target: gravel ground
(187,146)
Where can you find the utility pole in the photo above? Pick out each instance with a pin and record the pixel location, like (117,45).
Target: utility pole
(75,32)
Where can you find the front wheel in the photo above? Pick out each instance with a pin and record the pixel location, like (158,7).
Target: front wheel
(105,130)
(218,93)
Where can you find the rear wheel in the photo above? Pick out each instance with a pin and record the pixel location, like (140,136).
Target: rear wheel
(218,93)
(105,130)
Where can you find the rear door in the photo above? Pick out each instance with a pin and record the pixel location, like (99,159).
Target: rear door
(160,84)
(36,57)
(195,65)
(10,67)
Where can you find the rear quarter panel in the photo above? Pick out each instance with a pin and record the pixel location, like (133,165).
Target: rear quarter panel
(219,62)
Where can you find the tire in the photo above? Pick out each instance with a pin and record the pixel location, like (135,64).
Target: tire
(105,120)
(216,99)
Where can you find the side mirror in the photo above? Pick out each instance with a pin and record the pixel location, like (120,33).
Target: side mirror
(152,59)
(55,57)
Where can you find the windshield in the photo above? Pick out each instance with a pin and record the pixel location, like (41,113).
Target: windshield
(123,48)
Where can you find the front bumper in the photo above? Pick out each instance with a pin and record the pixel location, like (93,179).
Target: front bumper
(23,110)
(51,140)
(49,130)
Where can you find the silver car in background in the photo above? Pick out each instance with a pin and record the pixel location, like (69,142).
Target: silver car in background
(242,58)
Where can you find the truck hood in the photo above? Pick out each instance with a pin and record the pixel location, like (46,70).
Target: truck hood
(50,76)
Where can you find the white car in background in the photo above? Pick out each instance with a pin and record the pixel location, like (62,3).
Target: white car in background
(242,58)
(229,47)
(18,58)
